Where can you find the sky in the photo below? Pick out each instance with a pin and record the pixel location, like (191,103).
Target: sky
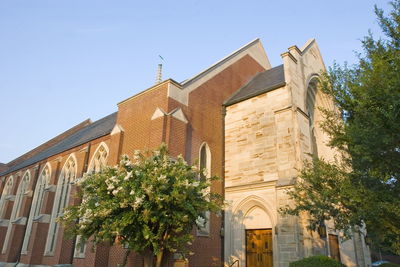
(64,61)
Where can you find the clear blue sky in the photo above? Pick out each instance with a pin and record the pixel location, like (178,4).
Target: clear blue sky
(67,60)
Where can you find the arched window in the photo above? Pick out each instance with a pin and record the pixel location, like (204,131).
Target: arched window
(312,111)
(98,161)
(7,191)
(205,161)
(67,177)
(203,223)
(37,201)
(16,210)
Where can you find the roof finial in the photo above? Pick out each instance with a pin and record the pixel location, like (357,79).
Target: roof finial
(159,71)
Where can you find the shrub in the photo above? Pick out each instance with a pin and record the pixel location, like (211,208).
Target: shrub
(317,261)
(389,265)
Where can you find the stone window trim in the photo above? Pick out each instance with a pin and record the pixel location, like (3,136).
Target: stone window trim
(4,222)
(204,166)
(19,221)
(50,188)
(37,203)
(7,194)
(42,218)
(17,206)
(97,162)
(61,199)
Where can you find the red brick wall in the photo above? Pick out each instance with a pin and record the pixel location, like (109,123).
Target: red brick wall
(134,115)
(140,132)
(204,114)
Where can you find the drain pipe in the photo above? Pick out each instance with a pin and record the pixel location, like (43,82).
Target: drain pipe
(223,113)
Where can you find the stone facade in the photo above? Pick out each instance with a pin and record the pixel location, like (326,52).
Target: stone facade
(267,138)
(256,144)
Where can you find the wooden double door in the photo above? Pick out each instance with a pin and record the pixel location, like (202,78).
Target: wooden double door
(259,248)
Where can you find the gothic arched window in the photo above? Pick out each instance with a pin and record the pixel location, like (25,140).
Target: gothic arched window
(7,191)
(37,202)
(67,177)
(16,210)
(312,110)
(203,222)
(98,161)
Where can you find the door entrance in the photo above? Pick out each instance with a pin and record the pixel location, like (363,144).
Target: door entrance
(259,248)
(334,247)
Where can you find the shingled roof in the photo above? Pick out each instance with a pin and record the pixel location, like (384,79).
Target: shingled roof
(261,83)
(93,131)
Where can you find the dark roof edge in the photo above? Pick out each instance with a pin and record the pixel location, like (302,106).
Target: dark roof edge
(268,89)
(49,142)
(10,170)
(79,144)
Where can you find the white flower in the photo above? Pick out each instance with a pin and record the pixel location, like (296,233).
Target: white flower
(138,202)
(132,193)
(136,155)
(128,175)
(162,178)
(125,161)
(196,184)
(110,187)
(200,222)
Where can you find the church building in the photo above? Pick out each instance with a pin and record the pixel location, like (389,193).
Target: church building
(245,121)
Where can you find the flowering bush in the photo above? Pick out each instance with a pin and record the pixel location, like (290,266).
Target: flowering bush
(150,205)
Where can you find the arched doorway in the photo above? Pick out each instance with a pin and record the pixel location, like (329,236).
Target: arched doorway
(251,226)
(258,232)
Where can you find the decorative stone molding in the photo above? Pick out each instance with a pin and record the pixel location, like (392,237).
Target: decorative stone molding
(20,221)
(42,218)
(28,193)
(10,198)
(176,113)
(50,188)
(158,113)
(85,149)
(288,54)
(117,129)
(4,222)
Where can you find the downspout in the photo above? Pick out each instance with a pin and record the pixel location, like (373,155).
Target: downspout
(223,113)
(84,170)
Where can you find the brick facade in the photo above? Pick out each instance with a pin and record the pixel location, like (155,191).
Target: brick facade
(184,116)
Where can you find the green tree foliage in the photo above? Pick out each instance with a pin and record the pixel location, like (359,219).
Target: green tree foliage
(149,205)
(316,261)
(363,185)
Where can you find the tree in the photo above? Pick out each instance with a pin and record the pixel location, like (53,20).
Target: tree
(362,186)
(149,206)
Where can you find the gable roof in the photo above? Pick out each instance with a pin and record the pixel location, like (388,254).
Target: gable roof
(92,131)
(265,62)
(261,83)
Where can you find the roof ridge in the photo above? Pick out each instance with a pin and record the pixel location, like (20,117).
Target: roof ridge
(221,61)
